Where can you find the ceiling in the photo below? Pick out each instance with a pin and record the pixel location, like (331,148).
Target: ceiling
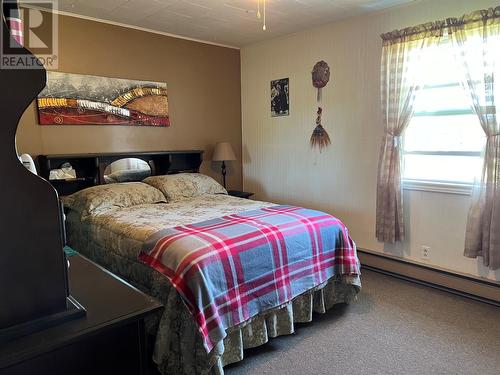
(227,22)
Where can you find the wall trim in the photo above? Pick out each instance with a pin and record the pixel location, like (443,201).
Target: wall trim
(483,290)
(114,23)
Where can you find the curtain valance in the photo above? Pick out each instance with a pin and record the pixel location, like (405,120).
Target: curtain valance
(426,30)
(472,20)
(475,19)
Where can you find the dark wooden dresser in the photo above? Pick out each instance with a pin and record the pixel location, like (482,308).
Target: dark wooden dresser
(109,339)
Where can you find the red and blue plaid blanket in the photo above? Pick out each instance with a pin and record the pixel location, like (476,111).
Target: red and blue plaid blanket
(229,269)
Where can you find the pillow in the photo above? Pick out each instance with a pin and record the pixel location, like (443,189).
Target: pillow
(100,198)
(185,185)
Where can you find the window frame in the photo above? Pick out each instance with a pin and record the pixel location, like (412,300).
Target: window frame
(437,187)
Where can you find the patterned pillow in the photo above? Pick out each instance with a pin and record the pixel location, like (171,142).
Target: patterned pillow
(185,185)
(100,198)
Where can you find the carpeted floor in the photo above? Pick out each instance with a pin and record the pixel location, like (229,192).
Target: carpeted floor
(395,327)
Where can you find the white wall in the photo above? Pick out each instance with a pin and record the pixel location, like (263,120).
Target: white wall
(278,164)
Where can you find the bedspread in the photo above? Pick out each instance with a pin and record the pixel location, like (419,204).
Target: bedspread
(230,269)
(115,239)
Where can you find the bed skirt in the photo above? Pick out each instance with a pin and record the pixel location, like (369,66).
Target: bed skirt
(179,348)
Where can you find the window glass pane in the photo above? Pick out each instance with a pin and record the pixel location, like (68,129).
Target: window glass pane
(438,65)
(442,98)
(444,133)
(442,168)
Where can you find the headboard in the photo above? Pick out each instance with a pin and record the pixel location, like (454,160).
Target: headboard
(90,167)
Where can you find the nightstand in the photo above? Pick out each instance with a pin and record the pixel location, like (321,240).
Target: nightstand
(239,194)
(109,339)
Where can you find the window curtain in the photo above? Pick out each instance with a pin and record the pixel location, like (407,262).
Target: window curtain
(400,79)
(476,40)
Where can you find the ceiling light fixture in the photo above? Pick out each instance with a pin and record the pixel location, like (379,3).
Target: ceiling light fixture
(264,12)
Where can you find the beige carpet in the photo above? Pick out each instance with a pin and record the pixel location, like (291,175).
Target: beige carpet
(396,327)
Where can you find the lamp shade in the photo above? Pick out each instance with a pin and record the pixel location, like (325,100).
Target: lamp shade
(223,152)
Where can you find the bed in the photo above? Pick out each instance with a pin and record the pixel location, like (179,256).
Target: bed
(122,226)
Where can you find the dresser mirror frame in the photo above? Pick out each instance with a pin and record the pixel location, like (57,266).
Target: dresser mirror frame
(33,277)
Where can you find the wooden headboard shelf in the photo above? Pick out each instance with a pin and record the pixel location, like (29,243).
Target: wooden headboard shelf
(90,167)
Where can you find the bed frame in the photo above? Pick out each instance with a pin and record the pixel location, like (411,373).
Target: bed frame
(90,167)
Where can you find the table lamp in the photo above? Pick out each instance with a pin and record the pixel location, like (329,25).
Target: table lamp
(223,152)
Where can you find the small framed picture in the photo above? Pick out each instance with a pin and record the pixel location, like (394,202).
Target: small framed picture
(280,94)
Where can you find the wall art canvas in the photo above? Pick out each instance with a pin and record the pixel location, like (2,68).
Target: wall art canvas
(76,99)
(280,102)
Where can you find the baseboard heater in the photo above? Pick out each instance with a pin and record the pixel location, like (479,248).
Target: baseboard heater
(478,289)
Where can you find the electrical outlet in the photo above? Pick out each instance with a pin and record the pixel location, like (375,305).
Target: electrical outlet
(425,252)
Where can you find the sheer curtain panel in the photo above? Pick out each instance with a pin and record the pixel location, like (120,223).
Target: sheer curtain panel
(400,80)
(476,41)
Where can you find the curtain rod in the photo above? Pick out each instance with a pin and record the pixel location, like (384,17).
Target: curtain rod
(437,28)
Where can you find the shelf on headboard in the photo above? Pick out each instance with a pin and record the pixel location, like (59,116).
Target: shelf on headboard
(69,180)
(90,167)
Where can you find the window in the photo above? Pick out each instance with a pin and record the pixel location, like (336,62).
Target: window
(444,140)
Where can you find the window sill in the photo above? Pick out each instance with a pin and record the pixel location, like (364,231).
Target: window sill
(438,187)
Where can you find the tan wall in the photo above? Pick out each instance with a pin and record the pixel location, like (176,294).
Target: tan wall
(280,166)
(204,94)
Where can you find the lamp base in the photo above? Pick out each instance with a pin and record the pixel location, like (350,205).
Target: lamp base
(224,173)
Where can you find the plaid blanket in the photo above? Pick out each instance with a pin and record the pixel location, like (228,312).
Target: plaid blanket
(229,269)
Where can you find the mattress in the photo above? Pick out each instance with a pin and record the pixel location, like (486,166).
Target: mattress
(124,230)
